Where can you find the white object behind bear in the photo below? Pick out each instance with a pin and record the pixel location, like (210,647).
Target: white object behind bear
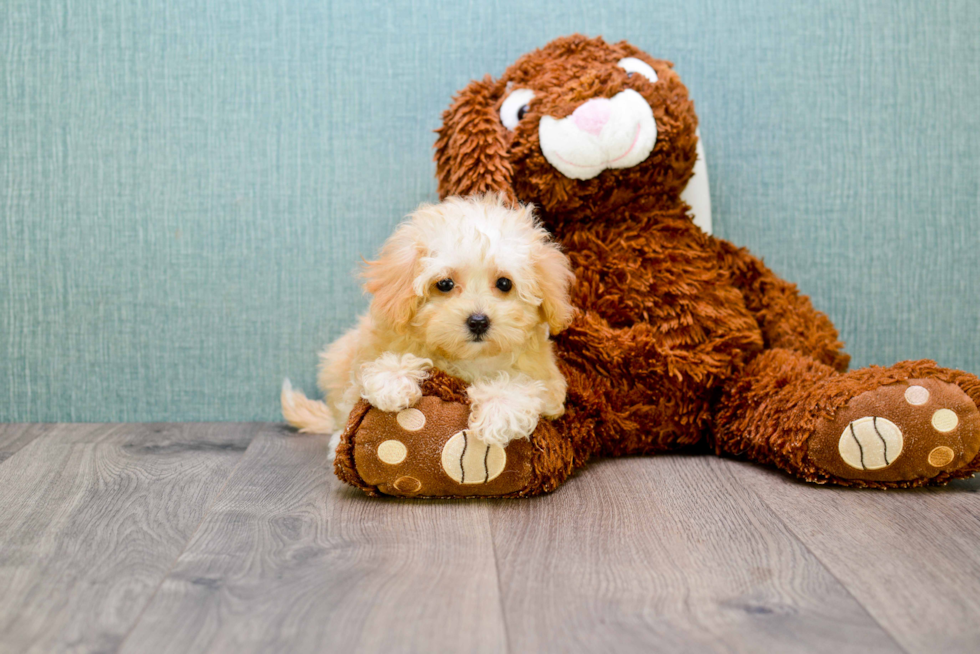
(697,194)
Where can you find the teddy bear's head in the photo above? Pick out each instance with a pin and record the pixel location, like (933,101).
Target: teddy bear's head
(579,124)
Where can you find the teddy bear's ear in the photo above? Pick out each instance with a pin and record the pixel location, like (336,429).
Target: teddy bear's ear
(471,151)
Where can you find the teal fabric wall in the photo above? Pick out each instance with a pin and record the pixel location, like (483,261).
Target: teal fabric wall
(187,185)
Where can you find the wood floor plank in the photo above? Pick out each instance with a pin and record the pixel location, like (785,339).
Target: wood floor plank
(666,554)
(91,519)
(911,557)
(289,560)
(14,436)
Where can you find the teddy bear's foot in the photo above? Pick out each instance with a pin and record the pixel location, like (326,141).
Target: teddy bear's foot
(427,451)
(901,432)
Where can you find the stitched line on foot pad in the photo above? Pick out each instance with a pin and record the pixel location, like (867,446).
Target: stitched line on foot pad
(854,436)
(462,468)
(874,421)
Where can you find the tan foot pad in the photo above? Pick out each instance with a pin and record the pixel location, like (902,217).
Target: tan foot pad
(426,451)
(901,432)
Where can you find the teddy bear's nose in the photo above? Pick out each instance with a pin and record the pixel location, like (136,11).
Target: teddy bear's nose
(592,116)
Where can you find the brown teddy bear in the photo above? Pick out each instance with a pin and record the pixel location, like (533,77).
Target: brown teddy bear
(681,339)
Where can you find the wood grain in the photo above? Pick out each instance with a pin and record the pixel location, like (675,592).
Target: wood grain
(14,436)
(175,538)
(288,560)
(91,519)
(911,557)
(667,554)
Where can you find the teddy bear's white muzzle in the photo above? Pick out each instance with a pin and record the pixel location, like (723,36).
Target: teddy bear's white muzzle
(602,133)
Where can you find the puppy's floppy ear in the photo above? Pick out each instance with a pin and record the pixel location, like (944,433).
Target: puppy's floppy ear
(390,277)
(471,151)
(554,280)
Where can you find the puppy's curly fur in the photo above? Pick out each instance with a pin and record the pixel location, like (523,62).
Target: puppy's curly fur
(473,287)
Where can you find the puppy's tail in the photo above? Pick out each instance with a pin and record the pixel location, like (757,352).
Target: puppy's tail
(308,416)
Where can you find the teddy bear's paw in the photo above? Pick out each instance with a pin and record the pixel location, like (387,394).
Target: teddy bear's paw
(428,451)
(901,432)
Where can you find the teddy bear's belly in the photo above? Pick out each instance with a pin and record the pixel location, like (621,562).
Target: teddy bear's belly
(656,339)
(675,302)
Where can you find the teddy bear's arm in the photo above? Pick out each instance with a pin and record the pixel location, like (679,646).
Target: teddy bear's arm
(786,317)
(640,352)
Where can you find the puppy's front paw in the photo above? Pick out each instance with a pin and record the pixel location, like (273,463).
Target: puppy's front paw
(393,382)
(503,409)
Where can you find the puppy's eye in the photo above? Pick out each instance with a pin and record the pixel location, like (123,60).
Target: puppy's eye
(504,285)
(633,65)
(515,107)
(445,285)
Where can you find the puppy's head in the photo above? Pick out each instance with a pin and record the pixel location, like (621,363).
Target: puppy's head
(579,124)
(471,278)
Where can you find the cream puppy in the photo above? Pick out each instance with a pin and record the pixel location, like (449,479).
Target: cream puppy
(468,286)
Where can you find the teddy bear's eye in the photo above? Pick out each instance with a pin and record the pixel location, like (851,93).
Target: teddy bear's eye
(633,65)
(445,285)
(515,106)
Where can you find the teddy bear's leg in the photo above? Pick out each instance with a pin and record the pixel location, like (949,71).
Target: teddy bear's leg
(908,425)
(427,450)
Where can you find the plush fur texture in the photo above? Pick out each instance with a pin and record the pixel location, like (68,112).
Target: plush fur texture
(681,339)
(449,265)
(505,408)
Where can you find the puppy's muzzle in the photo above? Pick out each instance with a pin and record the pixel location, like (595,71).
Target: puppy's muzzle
(478,324)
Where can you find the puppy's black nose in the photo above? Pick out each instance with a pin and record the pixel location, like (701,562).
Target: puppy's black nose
(478,324)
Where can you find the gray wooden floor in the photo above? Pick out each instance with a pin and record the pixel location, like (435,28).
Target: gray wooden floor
(237,538)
